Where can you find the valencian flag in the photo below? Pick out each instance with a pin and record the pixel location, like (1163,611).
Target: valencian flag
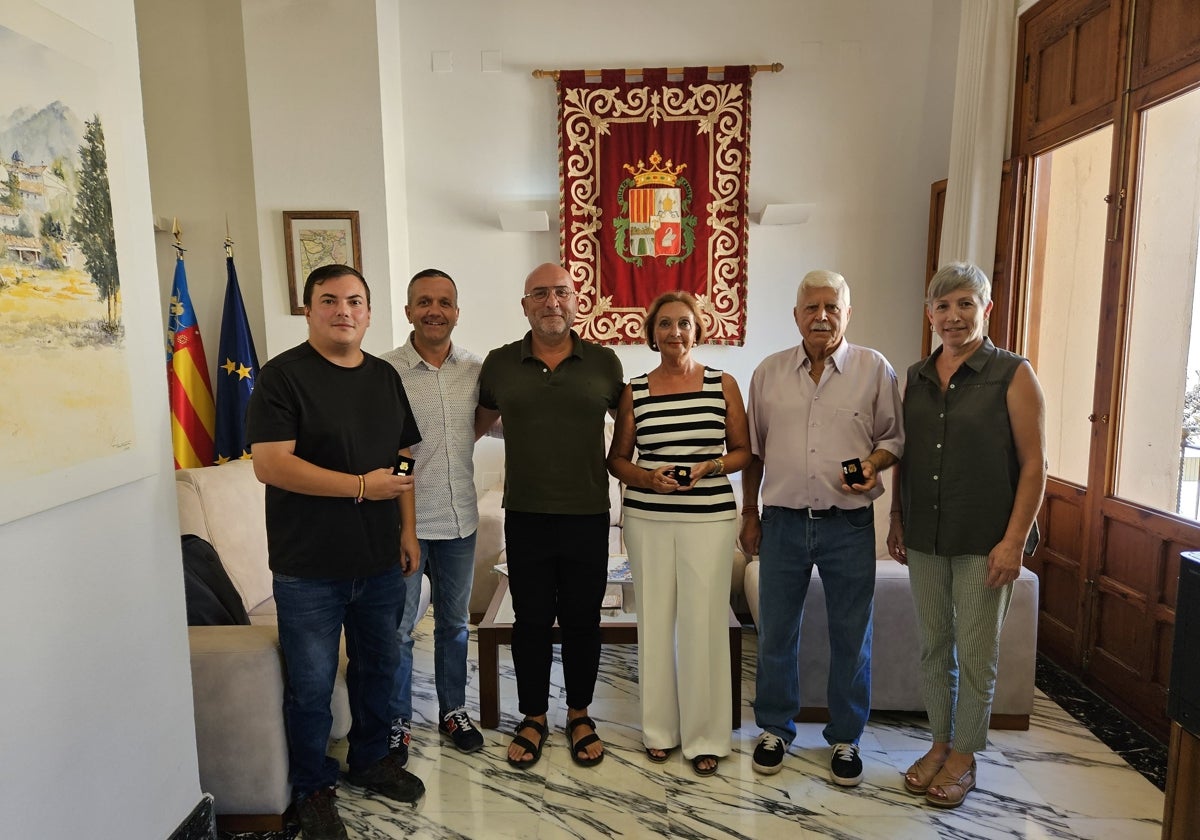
(237,370)
(192,412)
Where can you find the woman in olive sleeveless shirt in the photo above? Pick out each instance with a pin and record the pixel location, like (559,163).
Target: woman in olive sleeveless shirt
(972,479)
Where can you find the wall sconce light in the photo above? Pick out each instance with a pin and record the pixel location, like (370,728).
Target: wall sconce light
(784,214)
(517,217)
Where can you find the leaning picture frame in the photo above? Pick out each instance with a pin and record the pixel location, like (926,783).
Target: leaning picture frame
(313,238)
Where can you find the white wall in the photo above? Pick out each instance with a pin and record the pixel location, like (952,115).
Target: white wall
(346,113)
(317,129)
(858,123)
(198,144)
(97,736)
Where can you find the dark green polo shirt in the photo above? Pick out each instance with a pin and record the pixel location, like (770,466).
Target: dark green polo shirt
(553,424)
(960,460)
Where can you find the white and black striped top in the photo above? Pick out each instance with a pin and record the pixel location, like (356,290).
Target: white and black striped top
(681,429)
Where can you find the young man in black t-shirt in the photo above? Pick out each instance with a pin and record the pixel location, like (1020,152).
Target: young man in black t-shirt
(326,422)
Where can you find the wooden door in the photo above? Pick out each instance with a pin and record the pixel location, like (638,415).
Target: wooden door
(1109,560)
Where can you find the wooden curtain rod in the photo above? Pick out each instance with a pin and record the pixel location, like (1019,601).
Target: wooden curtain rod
(671,71)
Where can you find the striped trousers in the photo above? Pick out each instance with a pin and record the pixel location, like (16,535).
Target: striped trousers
(959,619)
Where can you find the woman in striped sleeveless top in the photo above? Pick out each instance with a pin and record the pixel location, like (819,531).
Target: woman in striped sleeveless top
(688,423)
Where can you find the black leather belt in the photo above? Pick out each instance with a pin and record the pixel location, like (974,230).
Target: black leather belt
(813,513)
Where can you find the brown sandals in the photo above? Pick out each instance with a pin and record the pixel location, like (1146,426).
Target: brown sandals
(945,791)
(918,777)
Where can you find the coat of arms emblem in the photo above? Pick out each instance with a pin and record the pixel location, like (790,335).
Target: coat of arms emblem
(655,222)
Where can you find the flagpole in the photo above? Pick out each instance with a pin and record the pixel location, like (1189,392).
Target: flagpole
(237,367)
(193,412)
(776,67)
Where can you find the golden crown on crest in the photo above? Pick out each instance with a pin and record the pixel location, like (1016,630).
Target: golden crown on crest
(666,175)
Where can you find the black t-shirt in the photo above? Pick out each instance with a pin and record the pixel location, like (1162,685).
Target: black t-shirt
(352,420)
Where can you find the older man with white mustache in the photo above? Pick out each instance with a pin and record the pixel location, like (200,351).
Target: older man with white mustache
(812,408)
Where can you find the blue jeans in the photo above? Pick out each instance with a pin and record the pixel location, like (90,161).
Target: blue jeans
(842,548)
(450,565)
(312,613)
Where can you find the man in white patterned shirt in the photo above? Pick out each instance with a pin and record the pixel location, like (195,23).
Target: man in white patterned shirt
(442,383)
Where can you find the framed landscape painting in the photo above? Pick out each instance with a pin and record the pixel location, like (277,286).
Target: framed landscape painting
(74,368)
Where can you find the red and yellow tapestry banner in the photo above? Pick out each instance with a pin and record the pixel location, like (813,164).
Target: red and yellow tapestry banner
(652,178)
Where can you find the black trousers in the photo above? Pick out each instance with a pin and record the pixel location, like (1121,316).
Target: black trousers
(557,570)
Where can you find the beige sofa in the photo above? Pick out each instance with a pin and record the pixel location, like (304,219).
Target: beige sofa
(895,658)
(237,672)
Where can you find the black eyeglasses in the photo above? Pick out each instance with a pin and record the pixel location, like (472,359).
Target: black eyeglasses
(542,293)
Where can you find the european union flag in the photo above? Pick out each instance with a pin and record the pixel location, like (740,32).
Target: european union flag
(237,370)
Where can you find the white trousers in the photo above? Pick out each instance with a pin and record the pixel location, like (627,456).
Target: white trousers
(681,573)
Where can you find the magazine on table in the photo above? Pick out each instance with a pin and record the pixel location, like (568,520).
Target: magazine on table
(618,569)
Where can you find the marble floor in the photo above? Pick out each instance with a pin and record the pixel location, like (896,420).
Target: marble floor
(1055,781)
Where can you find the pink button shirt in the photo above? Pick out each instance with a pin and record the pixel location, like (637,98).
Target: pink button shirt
(803,430)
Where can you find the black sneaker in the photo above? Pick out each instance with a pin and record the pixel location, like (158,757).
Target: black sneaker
(462,732)
(768,754)
(319,818)
(387,777)
(846,767)
(399,739)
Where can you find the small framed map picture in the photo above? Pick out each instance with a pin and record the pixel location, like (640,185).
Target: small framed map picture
(313,238)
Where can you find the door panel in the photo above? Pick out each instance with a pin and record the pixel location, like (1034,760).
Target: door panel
(1131,563)
(1129,654)
(1068,80)
(1057,565)
(1166,39)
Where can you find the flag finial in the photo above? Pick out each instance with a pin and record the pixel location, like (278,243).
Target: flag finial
(177,232)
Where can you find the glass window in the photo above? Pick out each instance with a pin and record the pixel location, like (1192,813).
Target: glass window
(1066,267)
(1158,455)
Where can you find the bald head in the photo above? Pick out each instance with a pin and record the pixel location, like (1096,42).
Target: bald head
(549,303)
(547,275)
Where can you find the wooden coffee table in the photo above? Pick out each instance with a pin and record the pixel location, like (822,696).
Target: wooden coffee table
(496,629)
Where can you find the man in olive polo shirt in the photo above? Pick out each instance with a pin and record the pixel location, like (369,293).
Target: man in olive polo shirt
(552,390)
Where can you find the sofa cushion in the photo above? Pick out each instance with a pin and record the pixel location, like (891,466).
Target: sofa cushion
(226,505)
(895,660)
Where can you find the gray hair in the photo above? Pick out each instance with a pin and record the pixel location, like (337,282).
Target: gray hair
(824,279)
(959,275)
